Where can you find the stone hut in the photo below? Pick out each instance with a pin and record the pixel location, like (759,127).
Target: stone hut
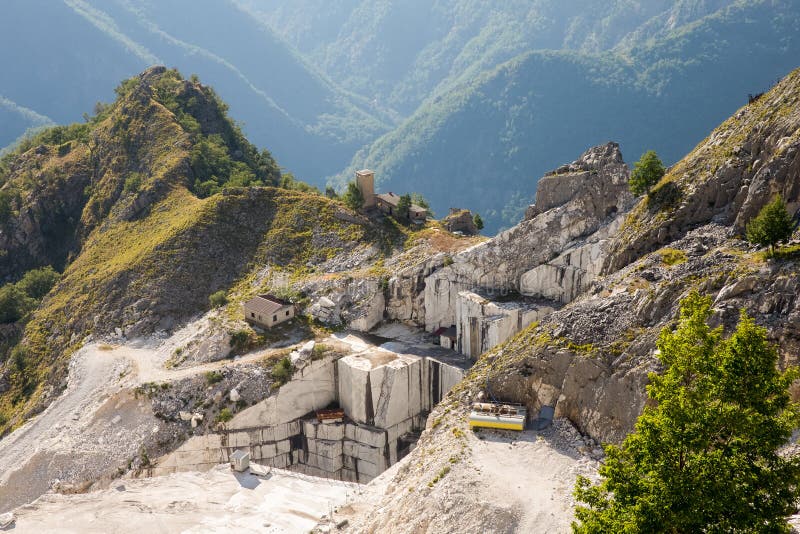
(267,310)
(387,203)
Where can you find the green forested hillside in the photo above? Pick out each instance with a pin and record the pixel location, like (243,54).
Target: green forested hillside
(484,143)
(59,58)
(402,52)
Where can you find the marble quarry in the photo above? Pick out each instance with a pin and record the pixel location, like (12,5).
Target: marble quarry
(385,395)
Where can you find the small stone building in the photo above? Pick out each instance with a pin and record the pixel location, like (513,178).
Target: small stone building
(267,310)
(387,203)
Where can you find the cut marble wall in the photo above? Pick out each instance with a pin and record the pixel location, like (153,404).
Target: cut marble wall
(482,324)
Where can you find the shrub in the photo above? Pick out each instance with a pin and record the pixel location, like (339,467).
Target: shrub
(771,226)
(672,256)
(218,299)
(133,183)
(478,222)
(14,304)
(240,340)
(213,377)
(282,371)
(38,282)
(224,415)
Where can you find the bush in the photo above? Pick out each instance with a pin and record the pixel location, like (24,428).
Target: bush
(478,222)
(213,377)
(14,304)
(282,371)
(672,256)
(224,415)
(218,299)
(771,226)
(240,340)
(38,282)
(133,183)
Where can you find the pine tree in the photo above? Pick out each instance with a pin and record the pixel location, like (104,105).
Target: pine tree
(771,226)
(704,457)
(404,206)
(353,197)
(646,173)
(478,222)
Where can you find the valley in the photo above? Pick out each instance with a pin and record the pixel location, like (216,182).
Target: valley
(177,305)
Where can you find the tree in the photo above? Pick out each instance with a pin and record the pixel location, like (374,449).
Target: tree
(478,221)
(38,282)
(646,173)
(353,197)
(330,192)
(704,456)
(404,206)
(772,225)
(218,298)
(422,202)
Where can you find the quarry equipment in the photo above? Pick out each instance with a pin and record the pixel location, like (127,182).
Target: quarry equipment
(498,415)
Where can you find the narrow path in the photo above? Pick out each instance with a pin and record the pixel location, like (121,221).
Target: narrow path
(96,373)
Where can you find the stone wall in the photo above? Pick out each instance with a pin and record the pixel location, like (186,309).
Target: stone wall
(385,395)
(482,324)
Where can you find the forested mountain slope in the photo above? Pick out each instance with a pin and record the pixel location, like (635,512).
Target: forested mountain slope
(59,58)
(370,47)
(484,143)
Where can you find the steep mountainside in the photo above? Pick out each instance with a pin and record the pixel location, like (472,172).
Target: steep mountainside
(367,47)
(16,118)
(284,103)
(148,208)
(497,132)
(590,358)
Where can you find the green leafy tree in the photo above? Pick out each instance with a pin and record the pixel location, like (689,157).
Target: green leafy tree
(422,202)
(646,173)
(704,456)
(353,197)
(38,282)
(404,206)
(14,304)
(478,221)
(771,226)
(218,298)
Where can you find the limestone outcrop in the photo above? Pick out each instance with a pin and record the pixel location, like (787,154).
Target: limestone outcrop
(459,220)
(554,253)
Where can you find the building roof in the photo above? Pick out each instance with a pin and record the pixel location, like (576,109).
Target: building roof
(364,171)
(266,304)
(393,199)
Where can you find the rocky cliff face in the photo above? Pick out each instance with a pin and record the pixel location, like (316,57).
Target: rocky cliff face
(590,358)
(550,254)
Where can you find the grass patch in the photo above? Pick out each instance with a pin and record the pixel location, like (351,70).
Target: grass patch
(672,256)
(213,377)
(439,476)
(224,415)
